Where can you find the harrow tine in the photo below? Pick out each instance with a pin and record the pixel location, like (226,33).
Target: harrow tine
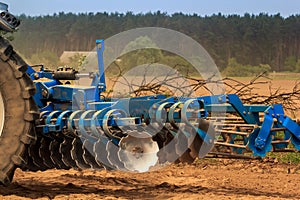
(229,155)
(232,132)
(231,145)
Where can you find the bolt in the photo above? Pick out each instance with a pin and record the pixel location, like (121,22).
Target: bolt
(45,93)
(36,76)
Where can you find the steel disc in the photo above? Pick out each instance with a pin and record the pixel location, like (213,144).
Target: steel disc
(182,148)
(55,155)
(33,152)
(77,154)
(45,153)
(138,154)
(167,153)
(88,154)
(65,151)
(112,156)
(196,146)
(101,154)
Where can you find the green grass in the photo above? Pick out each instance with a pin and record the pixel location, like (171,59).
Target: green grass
(284,76)
(290,157)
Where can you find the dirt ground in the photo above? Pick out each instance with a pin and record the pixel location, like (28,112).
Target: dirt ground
(205,179)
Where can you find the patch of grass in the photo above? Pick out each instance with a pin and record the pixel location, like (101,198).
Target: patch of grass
(284,76)
(290,157)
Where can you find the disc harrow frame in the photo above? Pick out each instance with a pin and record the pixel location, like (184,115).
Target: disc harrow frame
(183,128)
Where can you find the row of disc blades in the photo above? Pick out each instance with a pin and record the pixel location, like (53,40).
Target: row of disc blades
(73,150)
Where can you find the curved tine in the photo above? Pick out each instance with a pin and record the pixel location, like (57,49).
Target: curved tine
(107,117)
(97,122)
(171,114)
(60,118)
(74,115)
(52,115)
(82,128)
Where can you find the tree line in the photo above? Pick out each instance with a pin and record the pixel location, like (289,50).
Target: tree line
(249,39)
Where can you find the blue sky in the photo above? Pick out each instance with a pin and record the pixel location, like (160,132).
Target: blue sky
(201,7)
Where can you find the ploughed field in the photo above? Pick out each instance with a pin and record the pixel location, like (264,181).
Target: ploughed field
(204,179)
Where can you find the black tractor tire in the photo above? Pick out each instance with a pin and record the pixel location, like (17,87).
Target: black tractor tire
(18,109)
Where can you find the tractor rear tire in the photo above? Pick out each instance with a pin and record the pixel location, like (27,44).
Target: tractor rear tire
(18,111)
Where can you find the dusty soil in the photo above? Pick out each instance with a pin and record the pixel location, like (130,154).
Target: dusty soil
(205,179)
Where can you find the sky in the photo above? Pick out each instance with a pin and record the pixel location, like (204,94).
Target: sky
(200,7)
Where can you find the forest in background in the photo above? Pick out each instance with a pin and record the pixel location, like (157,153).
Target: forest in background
(271,41)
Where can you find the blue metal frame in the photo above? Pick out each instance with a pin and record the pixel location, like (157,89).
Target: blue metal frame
(70,106)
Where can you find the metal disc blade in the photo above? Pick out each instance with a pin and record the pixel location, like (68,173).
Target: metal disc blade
(138,154)
(196,146)
(45,153)
(88,154)
(101,154)
(77,153)
(33,152)
(65,151)
(113,157)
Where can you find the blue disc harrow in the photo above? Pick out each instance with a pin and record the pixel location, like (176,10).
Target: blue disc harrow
(46,123)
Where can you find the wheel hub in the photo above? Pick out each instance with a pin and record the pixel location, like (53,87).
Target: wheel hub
(2,114)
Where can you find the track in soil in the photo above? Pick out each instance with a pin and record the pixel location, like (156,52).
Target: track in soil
(205,179)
